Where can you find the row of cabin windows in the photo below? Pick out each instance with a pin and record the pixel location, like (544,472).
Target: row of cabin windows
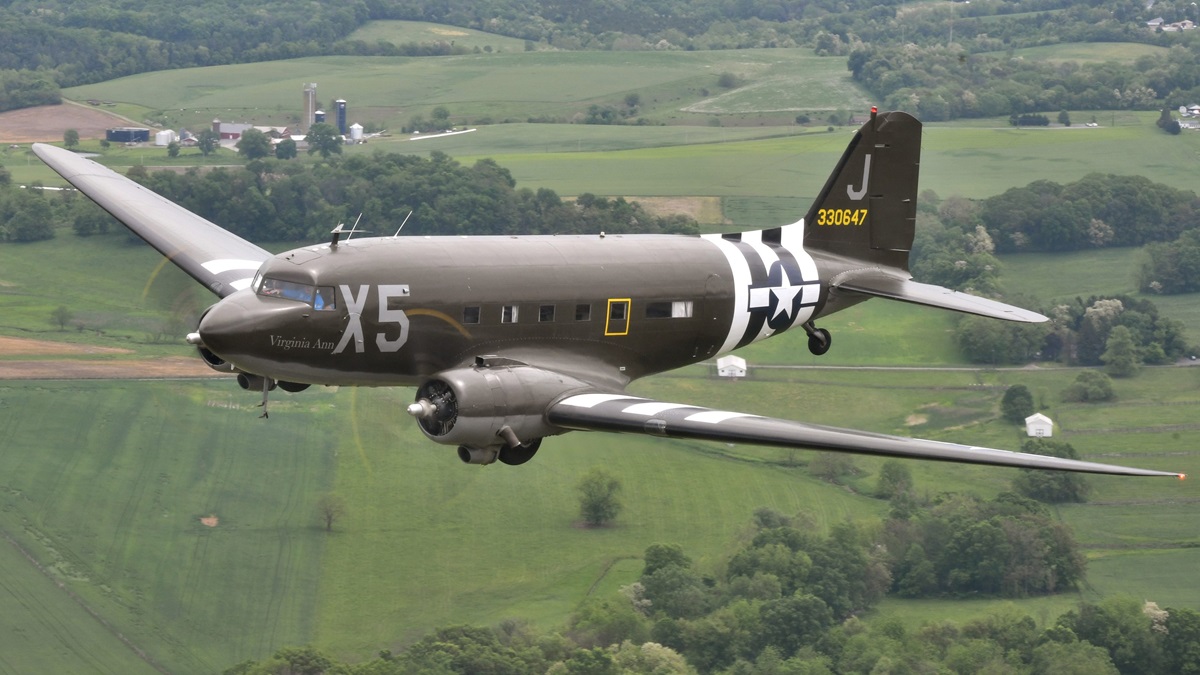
(679,309)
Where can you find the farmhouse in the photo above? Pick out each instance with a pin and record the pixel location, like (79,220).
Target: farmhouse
(731,366)
(1038,425)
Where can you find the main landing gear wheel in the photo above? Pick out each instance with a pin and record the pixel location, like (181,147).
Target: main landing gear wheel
(520,454)
(819,341)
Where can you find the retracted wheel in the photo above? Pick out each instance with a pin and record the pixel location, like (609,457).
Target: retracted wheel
(819,341)
(520,454)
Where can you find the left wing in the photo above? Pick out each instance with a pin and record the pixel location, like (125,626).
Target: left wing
(621,412)
(221,260)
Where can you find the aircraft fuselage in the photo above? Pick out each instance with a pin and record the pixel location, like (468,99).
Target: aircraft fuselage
(393,311)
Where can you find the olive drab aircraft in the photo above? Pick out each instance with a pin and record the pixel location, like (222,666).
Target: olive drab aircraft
(513,339)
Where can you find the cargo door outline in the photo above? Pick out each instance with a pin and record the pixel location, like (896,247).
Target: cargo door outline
(616,317)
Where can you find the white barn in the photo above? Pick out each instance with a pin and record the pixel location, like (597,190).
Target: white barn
(1038,425)
(731,366)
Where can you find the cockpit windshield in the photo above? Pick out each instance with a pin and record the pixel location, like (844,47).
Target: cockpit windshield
(320,297)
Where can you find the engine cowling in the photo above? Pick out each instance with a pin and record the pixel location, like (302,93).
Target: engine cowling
(488,407)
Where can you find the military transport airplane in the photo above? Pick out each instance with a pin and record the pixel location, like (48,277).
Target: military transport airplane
(509,340)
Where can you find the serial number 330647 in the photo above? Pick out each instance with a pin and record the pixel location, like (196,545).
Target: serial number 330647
(838,217)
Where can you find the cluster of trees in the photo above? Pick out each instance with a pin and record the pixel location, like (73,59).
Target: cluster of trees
(1172,267)
(940,82)
(788,601)
(1052,487)
(35,215)
(1118,332)
(962,545)
(1096,211)
(270,200)
(25,89)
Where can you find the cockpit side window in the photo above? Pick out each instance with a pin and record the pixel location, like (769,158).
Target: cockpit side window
(291,290)
(325,299)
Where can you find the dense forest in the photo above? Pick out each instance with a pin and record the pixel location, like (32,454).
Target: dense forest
(939,61)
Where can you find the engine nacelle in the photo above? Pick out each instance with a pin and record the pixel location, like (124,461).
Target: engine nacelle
(215,362)
(496,404)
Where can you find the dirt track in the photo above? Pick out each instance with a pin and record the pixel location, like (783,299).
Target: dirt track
(48,122)
(72,362)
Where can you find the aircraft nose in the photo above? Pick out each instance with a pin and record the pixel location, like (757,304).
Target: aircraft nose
(226,327)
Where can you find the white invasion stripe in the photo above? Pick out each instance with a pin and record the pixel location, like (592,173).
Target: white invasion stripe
(792,238)
(228,265)
(763,299)
(593,400)
(715,416)
(653,408)
(740,273)
(241,284)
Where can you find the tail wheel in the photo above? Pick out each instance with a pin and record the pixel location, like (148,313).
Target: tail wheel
(819,341)
(520,454)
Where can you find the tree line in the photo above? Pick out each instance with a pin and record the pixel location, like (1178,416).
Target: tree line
(273,200)
(788,600)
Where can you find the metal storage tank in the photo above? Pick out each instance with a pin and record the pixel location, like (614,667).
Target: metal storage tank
(341,115)
(127,135)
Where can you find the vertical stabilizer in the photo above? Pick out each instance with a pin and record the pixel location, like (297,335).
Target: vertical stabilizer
(868,207)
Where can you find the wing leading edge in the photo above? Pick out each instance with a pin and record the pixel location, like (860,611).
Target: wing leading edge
(630,414)
(219,259)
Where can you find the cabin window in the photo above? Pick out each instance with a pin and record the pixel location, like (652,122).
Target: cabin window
(546,313)
(678,309)
(658,310)
(325,299)
(583,312)
(509,314)
(277,288)
(470,315)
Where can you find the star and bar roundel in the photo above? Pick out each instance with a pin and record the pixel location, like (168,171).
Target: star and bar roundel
(775,282)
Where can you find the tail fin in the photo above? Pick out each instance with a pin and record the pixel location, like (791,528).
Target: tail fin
(868,207)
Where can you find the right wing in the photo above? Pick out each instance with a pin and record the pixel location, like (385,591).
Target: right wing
(884,285)
(221,260)
(630,414)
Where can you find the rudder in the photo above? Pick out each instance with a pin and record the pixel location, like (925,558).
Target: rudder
(868,207)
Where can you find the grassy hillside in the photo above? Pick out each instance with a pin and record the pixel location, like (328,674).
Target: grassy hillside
(420,32)
(498,86)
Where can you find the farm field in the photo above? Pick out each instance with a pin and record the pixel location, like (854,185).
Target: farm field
(427,541)
(172,513)
(421,32)
(499,86)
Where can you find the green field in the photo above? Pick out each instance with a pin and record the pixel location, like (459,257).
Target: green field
(420,32)
(499,86)
(1125,52)
(104,484)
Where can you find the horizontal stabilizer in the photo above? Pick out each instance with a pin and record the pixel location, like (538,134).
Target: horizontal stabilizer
(221,260)
(630,414)
(884,285)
